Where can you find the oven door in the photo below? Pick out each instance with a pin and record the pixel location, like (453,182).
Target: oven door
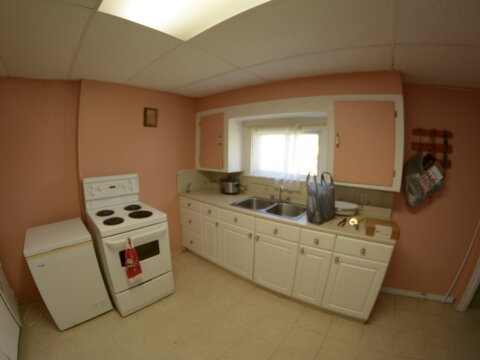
(153,249)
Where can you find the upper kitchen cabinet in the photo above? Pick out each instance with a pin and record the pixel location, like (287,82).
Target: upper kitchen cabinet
(211,141)
(368,143)
(360,137)
(214,144)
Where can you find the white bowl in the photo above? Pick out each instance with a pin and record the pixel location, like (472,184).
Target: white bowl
(346,208)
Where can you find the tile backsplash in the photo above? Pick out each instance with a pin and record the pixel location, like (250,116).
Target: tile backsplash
(195,179)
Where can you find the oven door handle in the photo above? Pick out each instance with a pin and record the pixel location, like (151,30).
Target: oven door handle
(122,243)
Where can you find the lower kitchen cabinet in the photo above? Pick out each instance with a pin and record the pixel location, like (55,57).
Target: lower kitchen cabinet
(353,285)
(236,244)
(211,240)
(313,266)
(192,242)
(339,273)
(275,261)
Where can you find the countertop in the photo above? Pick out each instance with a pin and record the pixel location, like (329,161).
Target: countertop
(214,197)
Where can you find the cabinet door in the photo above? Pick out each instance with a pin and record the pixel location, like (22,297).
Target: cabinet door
(237,249)
(353,285)
(211,240)
(311,275)
(275,262)
(192,242)
(364,150)
(211,141)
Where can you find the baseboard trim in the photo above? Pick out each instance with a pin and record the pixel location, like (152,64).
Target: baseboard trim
(417,294)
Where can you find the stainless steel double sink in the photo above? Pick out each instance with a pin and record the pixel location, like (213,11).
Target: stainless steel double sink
(272,207)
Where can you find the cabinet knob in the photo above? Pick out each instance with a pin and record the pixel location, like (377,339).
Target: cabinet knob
(188,204)
(337,140)
(235,219)
(257,237)
(191,241)
(189,221)
(337,259)
(250,235)
(302,250)
(363,251)
(216,223)
(316,241)
(275,231)
(209,212)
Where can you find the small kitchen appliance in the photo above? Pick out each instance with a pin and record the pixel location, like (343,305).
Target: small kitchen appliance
(63,264)
(229,186)
(116,217)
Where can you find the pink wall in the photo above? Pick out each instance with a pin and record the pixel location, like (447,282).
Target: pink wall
(38,122)
(358,83)
(435,236)
(112,140)
(38,146)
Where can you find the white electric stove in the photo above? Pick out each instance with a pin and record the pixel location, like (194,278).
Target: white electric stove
(114,215)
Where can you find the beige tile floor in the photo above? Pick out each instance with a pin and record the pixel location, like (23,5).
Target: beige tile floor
(216,315)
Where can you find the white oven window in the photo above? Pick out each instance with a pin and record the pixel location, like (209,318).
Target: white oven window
(144,251)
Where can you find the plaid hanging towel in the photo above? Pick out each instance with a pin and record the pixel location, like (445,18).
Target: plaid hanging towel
(132,263)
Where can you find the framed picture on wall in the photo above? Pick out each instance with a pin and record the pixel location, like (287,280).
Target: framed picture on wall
(150,117)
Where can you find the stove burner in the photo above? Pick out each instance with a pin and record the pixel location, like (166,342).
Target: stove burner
(132,207)
(140,214)
(113,221)
(104,212)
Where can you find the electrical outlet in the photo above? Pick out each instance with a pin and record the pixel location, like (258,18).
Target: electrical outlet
(364,199)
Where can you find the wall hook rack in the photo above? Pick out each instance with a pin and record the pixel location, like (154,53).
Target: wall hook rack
(428,141)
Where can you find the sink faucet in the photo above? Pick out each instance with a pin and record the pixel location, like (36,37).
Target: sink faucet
(280,193)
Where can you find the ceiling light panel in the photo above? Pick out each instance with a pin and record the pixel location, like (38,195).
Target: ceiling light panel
(182,19)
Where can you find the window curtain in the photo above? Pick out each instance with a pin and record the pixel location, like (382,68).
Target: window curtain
(280,153)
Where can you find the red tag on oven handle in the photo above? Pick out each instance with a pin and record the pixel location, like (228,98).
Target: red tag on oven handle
(132,263)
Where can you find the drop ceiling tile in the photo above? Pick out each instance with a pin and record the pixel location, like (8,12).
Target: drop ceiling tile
(233,80)
(115,49)
(328,62)
(183,65)
(38,39)
(447,22)
(456,66)
(280,29)
(3,71)
(85,3)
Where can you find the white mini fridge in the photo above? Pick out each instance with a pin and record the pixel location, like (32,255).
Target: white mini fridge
(62,261)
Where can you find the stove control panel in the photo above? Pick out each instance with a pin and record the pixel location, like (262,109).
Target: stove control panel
(110,186)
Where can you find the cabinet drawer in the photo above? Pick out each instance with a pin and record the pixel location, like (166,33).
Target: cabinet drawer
(317,239)
(190,204)
(210,211)
(281,231)
(363,249)
(191,221)
(192,242)
(230,217)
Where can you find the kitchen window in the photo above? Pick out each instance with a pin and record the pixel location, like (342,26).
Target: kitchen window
(287,153)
